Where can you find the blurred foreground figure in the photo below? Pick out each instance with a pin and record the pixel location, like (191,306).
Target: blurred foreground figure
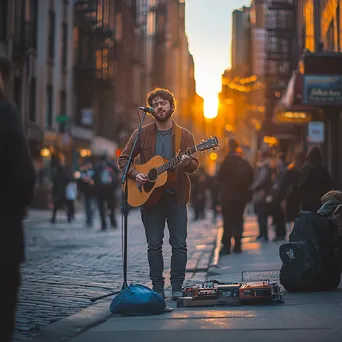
(18,179)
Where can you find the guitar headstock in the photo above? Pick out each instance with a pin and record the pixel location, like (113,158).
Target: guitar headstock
(207,144)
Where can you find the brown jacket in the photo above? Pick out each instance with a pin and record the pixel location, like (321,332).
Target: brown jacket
(146,148)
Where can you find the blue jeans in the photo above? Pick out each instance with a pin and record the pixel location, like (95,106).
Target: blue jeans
(167,210)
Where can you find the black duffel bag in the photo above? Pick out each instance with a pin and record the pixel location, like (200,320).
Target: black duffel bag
(311,259)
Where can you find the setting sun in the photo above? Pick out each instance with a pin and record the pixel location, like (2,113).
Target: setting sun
(210,107)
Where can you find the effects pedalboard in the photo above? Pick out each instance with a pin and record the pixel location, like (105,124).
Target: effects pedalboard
(214,293)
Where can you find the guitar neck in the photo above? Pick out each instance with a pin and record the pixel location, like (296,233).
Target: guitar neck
(174,161)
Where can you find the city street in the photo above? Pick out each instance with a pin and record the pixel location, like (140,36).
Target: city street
(67,264)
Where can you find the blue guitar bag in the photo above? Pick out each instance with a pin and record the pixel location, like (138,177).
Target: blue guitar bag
(138,300)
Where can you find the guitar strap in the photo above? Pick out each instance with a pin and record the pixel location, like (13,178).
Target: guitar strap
(178,137)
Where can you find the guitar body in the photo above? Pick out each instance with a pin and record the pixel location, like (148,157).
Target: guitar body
(149,193)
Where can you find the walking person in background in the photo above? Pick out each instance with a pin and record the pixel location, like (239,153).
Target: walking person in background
(275,198)
(198,193)
(160,138)
(314,182)
(214,190)
(60,182)
(106,180)
(235,177)
(261,189)
(71,197)
(289,188)
(18,175)
(87,189)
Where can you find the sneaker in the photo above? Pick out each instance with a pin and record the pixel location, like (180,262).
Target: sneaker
(176,294)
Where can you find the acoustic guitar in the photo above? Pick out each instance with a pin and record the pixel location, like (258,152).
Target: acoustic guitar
(158,174)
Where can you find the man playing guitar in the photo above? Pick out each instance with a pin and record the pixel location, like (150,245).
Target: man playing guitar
(163,137)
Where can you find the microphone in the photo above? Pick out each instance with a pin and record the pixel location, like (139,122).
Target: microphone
(147,109)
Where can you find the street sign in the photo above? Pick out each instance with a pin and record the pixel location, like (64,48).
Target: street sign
(316,132)
(62,118)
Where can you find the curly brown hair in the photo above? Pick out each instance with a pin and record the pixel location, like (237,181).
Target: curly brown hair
(165,94)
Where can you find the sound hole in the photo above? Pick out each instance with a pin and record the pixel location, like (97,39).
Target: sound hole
(152,175)
(148,186)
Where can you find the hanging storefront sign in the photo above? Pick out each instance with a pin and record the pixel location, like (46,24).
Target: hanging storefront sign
(87,116)
(323,90)
(293,117)
(316,132)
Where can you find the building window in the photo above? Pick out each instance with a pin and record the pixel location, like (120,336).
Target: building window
(309,26)
(49,104)
(64,46)
(63,105)
(51,35)
(65,10)
(33,90)
(34,22)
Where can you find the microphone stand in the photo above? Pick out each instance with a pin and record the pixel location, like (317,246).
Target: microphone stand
(125,210)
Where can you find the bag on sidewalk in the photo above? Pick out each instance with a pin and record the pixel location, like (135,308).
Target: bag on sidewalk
(311,260)
(138,300)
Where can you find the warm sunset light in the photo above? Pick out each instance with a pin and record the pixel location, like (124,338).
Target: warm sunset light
(210,107)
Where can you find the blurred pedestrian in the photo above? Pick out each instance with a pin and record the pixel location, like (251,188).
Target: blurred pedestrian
(289,189)
(106,182)
(71,197)
(275,198)
(18,181)
(87,189)
(261,190)
(59,192)
(314,182)
(235,177)
(198,193)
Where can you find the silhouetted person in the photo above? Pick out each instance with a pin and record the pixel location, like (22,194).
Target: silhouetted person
(261,189)
(314,182)
(60,182)
(235,177)
(87,188)
(275,205)
(289,188)
(198,193)
(105,178)
(18,181)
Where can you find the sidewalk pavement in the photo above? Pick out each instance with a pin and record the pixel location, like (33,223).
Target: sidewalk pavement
(67,264)
(303,317)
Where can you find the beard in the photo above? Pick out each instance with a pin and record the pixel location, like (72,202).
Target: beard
(162,117)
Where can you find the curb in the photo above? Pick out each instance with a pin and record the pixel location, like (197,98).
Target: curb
(76,324)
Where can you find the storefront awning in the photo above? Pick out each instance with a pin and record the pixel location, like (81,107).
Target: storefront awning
(290,109)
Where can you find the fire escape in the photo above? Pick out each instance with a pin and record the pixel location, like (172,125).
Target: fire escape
(280,56)
(95,56)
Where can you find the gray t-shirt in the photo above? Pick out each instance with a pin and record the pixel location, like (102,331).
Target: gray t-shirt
(164,148)
(164,144)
